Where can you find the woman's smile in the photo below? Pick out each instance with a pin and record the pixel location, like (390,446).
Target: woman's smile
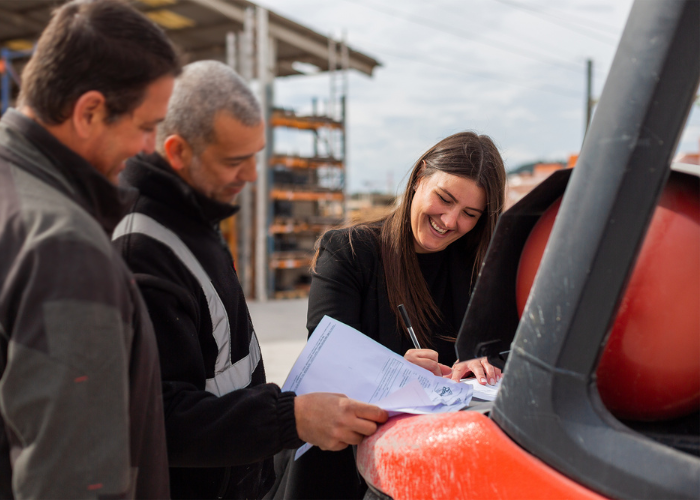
(437,228)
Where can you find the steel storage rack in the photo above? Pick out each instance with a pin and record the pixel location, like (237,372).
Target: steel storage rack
(307,194)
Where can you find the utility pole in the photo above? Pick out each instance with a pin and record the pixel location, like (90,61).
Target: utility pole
(589,94)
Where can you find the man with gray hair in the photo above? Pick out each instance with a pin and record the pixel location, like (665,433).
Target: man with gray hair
(223,422)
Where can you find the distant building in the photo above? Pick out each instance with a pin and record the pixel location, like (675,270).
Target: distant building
(366,207)
(525,179)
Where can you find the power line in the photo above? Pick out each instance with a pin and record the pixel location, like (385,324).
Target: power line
(489,76)
(562,22)
(604,28)
(444,28)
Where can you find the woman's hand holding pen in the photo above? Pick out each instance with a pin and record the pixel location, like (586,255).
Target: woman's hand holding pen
(425,358)
(484,371)
(428,359)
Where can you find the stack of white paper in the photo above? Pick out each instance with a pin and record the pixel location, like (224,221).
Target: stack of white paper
(338,358)
(483,392)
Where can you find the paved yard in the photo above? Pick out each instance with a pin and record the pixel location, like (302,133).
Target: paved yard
(280,326)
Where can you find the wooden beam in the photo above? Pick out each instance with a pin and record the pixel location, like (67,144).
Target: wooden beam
(223,8)
(286,35)
(318,49)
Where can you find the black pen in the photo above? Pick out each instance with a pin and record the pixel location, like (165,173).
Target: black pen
(407,322)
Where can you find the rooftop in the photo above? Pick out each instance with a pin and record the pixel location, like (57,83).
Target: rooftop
(198,27)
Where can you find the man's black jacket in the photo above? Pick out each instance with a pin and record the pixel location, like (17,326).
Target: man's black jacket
(223,422)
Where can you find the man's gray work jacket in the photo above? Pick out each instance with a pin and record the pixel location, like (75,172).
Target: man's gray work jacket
(80,399)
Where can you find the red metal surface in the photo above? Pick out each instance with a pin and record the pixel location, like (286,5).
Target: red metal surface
(650,369)
(457,455)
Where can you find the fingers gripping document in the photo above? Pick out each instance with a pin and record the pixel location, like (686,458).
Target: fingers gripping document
(338,358)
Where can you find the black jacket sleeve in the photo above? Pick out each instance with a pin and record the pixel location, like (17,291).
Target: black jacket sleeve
(203,430)
(342,275)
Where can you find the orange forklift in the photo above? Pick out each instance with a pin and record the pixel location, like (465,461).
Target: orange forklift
(589,298)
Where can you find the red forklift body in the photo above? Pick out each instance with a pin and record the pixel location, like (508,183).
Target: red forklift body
(458,455)
(555,430)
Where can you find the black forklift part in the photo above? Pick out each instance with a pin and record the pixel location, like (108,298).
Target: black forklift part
(492,317)
(549,401)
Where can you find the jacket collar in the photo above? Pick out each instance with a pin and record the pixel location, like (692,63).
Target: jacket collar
(153,176)
(67,171)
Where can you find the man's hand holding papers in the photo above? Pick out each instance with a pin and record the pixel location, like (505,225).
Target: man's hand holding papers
(344,420)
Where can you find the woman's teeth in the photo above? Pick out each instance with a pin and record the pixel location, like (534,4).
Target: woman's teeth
(441,231)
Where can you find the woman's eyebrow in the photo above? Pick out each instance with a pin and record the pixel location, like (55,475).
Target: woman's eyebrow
(455,200)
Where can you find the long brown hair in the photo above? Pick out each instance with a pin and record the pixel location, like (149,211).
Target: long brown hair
(467,155)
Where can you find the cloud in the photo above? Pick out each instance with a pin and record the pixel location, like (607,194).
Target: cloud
(446,73)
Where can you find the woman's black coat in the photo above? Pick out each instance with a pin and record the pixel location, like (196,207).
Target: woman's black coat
(348,284)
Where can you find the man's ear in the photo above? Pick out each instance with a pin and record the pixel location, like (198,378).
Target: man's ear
(178,152)
(89,113)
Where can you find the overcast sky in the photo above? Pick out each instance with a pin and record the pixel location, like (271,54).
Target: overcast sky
(511,69)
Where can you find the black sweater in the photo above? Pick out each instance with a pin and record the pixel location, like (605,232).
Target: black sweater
(217,445)
(349,285)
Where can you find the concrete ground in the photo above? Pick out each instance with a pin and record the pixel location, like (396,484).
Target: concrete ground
(280,326)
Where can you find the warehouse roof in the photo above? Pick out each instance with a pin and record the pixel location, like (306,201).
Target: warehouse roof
(198,27)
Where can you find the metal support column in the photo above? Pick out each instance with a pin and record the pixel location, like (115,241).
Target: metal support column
(6,82)
(247,44)
(9,75)
(262,198)
(345,64)
(231,55)
(314,112)
(245,216)
(332,65)
(269,148)
(331,111)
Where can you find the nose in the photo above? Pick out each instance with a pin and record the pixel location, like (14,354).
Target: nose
(449,218)
(248,172)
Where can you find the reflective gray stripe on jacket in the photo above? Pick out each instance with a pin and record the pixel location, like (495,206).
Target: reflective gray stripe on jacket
(227,376)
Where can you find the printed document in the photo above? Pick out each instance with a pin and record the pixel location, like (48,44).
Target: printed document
(338,358)
(483,392)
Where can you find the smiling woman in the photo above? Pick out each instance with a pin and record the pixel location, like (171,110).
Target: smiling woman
(426,255)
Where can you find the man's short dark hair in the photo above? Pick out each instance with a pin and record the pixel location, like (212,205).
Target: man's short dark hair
(103,45)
